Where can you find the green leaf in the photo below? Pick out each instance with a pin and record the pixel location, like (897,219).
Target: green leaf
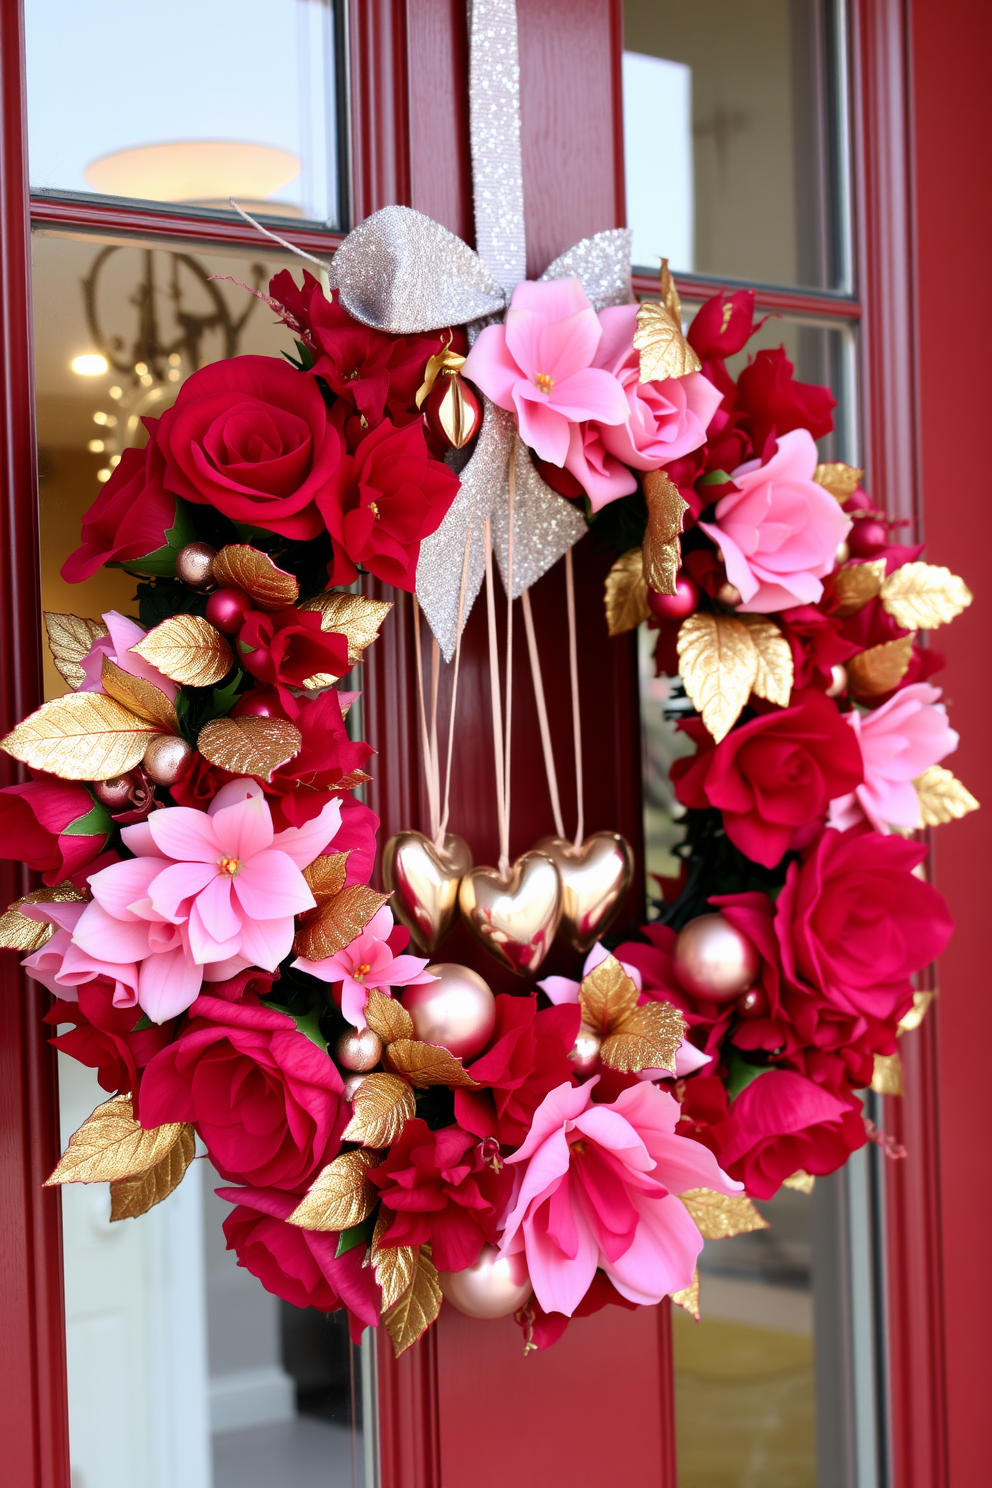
(360,1234)
(742,1072)
(308,1023)
(225,697)
(95,823)
(161,563)
(714,478)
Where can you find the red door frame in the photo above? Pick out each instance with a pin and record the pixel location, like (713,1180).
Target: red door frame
(919,90)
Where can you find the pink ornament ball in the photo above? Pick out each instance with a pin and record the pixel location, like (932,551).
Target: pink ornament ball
(227,609)
(259,703)
(713,959)
(867,537)
(675,606)
(122,791)
(493,1288)
(195,566)
(351,1085)
(584,1055)
(457,1010)
(359,1050)
(165,757)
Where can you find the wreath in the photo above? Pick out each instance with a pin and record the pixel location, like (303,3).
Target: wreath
(392,1132)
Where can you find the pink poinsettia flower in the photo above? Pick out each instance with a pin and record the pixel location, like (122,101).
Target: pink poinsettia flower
(539,365)
(665,420)
(63,967)
(596,1188)
(124,634)
(778,532)
(368,964)
(563,990)
(899,740)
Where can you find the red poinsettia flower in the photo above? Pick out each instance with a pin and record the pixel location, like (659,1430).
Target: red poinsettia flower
(527,1058)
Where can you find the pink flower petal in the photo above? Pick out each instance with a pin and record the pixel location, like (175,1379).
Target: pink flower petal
(174,885)
(304,844)
(186,835)
(267,942)
(168,984)
(490,365)
(117,887)
(270,885)
(245,829)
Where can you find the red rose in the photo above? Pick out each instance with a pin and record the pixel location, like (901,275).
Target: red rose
(527,1059)
(775,403)
(301,788)
(395,497)
(774,775)
(54,826)
(133,516)
(251,438)
(817,646)
(722,325)
(285,647)
(266,1101)
(300,1266)
(854,923)
(781,1123)
(105,1037)
(435,1186)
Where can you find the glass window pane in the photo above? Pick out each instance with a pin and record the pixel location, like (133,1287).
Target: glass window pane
(183,1371)
(734,142)
(207,100)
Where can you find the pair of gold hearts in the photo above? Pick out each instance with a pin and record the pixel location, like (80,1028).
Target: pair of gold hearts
(517,918)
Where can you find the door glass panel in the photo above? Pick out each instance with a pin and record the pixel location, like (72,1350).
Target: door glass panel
(204,101)
(183,1371)
(734,151)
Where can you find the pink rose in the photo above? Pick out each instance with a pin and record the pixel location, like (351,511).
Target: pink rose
(539,364)
(665,420)
(599,1191)
(899,740)
(779,531)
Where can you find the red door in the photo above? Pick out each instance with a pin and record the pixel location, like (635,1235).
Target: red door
(465,1406)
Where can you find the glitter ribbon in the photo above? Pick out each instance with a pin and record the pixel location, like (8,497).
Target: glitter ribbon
(401,272)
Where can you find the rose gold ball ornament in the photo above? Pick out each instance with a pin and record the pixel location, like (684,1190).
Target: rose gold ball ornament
(728,594)
(838,680)
(713,959)
(458,1010)
(675,606)
(843,554)
(165,757)
(351,1084)
(195,565)
(117,794)
(493,1288)
(359,1049)
(584,1053)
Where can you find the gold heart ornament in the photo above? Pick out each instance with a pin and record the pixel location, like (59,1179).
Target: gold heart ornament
(594,879)
(516,917)
(424,883)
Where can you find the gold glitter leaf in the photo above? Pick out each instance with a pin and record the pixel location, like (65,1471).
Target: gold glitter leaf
(718,1216)
(427,1064)
(336,922)
(388,1018)
(607,997)
(942,797)
(130,1197)
(249,746)
(325,876)
(718,664)
(921,596)
(341,1194)
(886,1078)
(142,697)
(625,593)
(664,350)
(662,549)
(648,1039)
(381,1108)
(244,567)
(839,479)
(394,1265)
(856,584)
(776,672)
(880,668)
(356,618)
(18,932)
(187,649)
(83,736)
(916,1014)
(688,1297)
(417,1306)
(801,1181)
(110,1144)
(70,639)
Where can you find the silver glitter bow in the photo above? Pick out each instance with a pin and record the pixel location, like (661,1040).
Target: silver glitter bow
(401,272)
